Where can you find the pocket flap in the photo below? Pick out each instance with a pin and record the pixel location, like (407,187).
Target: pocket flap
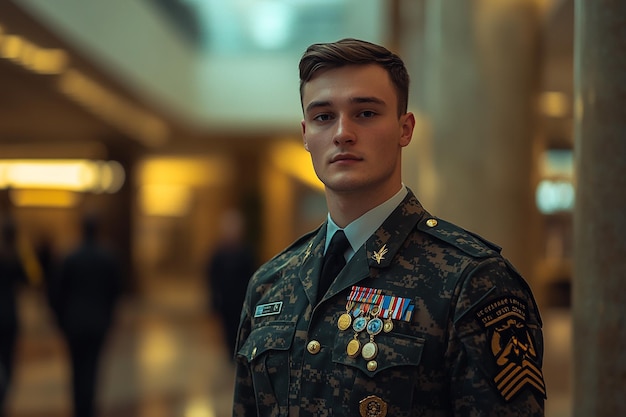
(272,336)
(394,350)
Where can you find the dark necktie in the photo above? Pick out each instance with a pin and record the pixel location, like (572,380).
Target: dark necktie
(334,262)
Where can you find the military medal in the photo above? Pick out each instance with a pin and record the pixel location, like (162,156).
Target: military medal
(345,320)
(370,350)
(374,327)
(359,324)
(368,309)
(388,326)
(354,347)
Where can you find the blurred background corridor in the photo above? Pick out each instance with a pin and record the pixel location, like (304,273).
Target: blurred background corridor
(159,116)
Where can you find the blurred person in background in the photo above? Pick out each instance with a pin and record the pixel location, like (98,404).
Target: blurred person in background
(12,275)
(228,271)
(46,256)
(420,317)
(84,294)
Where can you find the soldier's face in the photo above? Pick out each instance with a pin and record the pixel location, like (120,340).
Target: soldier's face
(352,130)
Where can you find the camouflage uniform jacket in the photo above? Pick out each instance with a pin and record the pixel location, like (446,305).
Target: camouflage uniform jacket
(472,347)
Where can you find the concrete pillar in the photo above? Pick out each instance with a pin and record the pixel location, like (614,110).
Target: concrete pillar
(482,60)
(599,290)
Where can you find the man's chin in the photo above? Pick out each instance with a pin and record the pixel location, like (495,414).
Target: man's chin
(344,185)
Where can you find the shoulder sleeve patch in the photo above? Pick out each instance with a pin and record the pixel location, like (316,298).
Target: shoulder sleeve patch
(512,347)
(468,242)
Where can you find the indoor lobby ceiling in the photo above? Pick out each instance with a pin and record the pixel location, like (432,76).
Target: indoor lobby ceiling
(219,40)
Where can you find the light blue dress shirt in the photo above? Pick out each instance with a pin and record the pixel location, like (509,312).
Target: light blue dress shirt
(359,230)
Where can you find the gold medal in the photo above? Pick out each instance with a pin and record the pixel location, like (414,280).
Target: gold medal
(353,348)
(344,322)
(370,350)
(388,326)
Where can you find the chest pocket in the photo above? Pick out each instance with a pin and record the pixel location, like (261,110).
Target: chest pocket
(267,352)
(394,350)
(392,375)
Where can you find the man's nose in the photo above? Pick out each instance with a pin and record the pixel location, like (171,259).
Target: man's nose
(344,131)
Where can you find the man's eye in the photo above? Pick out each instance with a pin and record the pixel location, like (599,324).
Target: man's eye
(367,114)
(322,117)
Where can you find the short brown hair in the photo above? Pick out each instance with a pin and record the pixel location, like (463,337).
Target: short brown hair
(323,56)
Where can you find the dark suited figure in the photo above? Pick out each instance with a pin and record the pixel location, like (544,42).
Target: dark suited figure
(228,273)
(86,290)
(12,275)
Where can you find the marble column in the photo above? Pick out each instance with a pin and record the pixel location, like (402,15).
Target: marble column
(481,78)
(599,282)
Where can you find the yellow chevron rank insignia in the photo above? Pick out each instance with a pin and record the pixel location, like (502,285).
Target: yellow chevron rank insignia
(512,347)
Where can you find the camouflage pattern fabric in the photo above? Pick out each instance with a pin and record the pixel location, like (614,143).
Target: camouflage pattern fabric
(472,347)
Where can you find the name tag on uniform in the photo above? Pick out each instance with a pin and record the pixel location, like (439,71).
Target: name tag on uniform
(268,309)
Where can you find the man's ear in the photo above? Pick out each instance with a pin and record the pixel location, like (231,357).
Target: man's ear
(303,125)
(407,124)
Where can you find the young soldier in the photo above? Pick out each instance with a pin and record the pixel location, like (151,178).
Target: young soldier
(425,319)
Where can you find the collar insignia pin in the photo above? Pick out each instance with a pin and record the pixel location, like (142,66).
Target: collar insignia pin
(307,252)
(379,255)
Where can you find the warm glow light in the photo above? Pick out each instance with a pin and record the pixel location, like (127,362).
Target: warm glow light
(156,350)
(170,171)
(11,46)
(44,198)
(189,171)
(293,159)
(49,61)
(31,56)
(72,175)
(112,176)
(61,174)
(199,408)
(554,104)
(167,183)
(164,200)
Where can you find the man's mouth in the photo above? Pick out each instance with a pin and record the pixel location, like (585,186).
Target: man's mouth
(344,157)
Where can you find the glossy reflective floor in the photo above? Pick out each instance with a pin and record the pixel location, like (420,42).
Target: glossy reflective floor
(166,358)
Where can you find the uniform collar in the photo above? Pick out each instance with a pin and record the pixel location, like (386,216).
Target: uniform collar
(360,229)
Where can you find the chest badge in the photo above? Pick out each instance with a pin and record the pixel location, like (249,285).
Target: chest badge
(372,406)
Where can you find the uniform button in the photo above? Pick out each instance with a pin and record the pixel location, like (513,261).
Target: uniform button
(372,366)
(253,353)
(431,222)
(313,347)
